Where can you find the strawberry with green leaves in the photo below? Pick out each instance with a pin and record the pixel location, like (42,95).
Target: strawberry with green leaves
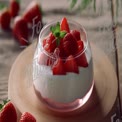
(14,7)
(58,33)
(5,17)
(27,117)
(8,112)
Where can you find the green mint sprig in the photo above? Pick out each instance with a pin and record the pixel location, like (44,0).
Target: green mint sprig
(57,33)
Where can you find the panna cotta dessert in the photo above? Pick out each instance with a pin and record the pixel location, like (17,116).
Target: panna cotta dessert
(62,66)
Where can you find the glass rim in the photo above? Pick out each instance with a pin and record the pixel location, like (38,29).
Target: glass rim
(69,21)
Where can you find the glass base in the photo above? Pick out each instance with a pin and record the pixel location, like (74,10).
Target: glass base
(66,107)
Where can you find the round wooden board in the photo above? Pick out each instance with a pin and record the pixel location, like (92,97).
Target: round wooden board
(104,95)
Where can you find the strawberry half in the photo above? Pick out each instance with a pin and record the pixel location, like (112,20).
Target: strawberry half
(49,43)
(62,53)
(8,113)
(80,45)
(58,67)
(27,117)
(64,26)
(14,7)
(33,13)
(71,65)
(76,35)
(5,19)
(81,58)
(69,45)
(20,30)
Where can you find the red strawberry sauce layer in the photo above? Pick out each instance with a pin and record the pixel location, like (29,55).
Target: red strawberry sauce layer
(66,47)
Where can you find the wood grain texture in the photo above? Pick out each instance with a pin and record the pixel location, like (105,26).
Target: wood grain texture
(102,100)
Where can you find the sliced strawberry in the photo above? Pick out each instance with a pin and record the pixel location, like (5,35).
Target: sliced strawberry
(33,13)
(69,44)
(81,58)
(50,43)
(5,19)
(80,45)
(14,7)
(27,117)
(76,35)
(64,26)
(50,38)
(58,67)
(71,65)
(8,113)
(62,52)
(20,30)
(50,47)
(44,42)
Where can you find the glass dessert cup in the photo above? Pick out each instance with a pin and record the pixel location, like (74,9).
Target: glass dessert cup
(73,86)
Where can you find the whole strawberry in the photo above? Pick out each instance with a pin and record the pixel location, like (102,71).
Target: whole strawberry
(33,13)
(27,117)
(5,19)
(20,30)
(8,113)
(14,7)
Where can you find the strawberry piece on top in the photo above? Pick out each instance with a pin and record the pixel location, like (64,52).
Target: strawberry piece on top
(49,43)
(64,26)
(76,35)
(69,44)
(81,58)
(71,65)
(58,67)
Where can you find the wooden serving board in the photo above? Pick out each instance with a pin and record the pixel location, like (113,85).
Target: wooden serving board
(22,94)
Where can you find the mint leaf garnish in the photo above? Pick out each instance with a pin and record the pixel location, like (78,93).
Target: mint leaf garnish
(57,33)
(62,34)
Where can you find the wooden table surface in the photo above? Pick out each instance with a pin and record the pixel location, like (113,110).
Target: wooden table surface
(97,25)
